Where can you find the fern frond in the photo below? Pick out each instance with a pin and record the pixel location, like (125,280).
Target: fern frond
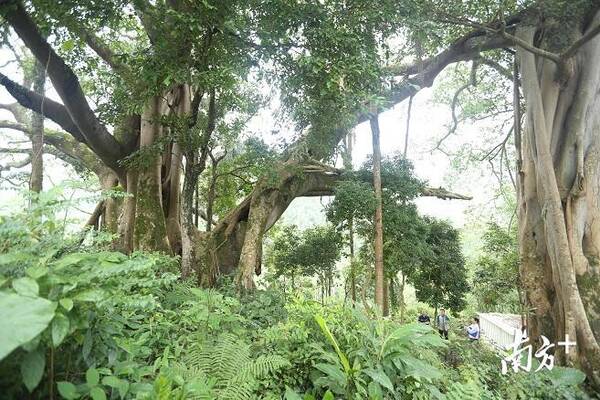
(261,367)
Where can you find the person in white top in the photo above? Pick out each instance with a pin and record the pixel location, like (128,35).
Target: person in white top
(473,330)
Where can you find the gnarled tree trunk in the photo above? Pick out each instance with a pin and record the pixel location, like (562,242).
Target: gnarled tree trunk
(559,200)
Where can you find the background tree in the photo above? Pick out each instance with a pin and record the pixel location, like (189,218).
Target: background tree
(313,252)
(496,283)
(441,281)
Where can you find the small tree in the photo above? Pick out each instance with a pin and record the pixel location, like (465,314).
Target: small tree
(442,279)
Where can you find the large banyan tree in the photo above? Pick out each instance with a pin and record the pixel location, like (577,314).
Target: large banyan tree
(153,93)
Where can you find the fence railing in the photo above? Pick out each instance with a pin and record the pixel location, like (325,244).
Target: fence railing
(495,331)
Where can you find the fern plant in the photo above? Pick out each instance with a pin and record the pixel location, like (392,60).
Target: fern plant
(225,369)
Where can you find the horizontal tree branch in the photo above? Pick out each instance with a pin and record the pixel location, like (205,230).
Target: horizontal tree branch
(40,104)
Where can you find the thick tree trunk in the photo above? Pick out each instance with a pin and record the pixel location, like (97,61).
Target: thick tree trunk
(37,132)
(378,221)
(559,201)
(150,232)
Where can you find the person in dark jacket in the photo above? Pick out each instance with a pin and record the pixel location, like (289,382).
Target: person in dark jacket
(424,318)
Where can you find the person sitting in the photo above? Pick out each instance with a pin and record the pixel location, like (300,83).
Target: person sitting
(474,330)
(424,318)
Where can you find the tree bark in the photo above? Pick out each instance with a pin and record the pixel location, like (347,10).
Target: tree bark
(559,200)
(150,232)
(37,133)
(378,220)
(126,227)
(174,209)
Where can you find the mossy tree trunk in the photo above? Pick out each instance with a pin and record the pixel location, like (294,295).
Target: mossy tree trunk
(150,231)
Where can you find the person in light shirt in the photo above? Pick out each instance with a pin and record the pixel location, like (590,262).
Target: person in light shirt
(474,330)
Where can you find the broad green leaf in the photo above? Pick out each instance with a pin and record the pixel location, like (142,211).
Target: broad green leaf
(97,394)
(375,392)
(32,344)
(380,377)
(334,372)
(23,318)
(67,390)
(91,295)
(26,287)
(66,303)
(37,272)
(290,394)
(123,388)
(60,328)
(92,377)
(111,381)
(417,368)
(32,369)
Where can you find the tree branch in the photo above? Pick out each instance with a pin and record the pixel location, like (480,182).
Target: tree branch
(14,126)
(35,102)
(67,86)
(100,48)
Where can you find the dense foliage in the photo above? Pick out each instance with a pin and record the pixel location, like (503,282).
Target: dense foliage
(89,323)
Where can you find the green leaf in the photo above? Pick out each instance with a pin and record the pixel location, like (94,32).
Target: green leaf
(111,381)
(417,368)
(68,45)
(91,295)
(375,392)
(67,390)
(333,342)
(66,303)
(92,377)
(123,388)
(328,396)
(60,328)
(334,372)
(23,318)
(32,369)
(380,377)
(97,394)
(37,271)
(26,287)
(290,394)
